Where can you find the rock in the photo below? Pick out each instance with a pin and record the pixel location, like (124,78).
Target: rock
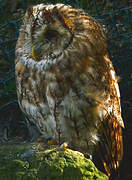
(45,163)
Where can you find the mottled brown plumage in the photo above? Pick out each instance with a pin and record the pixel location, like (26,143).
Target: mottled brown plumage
(66,84)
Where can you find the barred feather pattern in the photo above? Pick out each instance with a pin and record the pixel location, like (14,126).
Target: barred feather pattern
(66,83)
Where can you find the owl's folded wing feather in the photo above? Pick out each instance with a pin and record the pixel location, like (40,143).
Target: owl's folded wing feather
(111,143)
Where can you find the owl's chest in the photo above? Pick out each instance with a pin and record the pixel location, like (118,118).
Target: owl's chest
(35,87)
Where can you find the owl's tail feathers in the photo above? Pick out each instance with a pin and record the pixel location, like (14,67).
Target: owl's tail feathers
(111,146)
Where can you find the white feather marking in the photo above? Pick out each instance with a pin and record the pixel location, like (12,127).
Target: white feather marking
(110,109)
(32,82)
(51,101)
(112,74)
(90,70)
(30,109)
(41,15)
(51,122)
(103,79)
(45,108)
(117,89)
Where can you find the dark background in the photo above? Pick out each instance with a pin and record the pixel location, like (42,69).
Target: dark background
(115,17)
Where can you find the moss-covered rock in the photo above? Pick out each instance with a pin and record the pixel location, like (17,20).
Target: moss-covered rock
(34,162)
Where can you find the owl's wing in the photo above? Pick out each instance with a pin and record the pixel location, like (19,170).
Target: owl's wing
(111,146)
(111,143)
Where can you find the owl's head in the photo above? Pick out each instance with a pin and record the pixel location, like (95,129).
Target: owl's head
(47,30)
(51,30)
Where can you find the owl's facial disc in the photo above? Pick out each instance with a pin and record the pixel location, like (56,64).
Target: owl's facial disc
(47,45)
(50,41)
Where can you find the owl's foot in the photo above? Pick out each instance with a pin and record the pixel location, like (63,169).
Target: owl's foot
(63,146)
(47,141)
(51,141)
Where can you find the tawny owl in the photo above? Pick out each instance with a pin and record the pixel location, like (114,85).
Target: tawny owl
(66,83)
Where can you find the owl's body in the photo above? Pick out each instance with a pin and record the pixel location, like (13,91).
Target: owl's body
(66,84)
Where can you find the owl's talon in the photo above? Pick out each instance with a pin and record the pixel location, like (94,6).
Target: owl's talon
(63,146)
(51,141)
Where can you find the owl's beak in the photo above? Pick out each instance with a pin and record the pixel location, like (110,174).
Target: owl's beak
(34,53)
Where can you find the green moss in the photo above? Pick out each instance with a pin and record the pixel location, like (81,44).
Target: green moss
(45,164)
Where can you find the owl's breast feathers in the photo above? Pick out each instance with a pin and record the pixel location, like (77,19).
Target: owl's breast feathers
(74,93)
